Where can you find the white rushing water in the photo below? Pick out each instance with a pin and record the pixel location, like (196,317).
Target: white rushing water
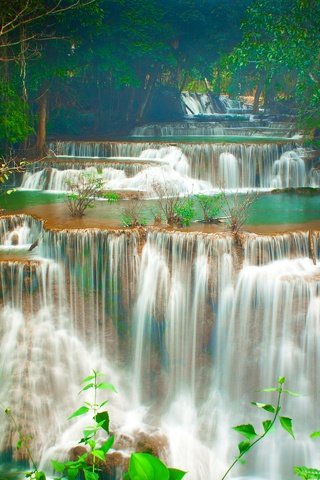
(190,168)
(186,330)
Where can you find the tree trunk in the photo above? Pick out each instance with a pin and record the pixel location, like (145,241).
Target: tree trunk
(257,95)
(41,138)
(148,95)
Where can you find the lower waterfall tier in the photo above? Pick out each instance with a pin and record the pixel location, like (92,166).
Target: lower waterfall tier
(187,326)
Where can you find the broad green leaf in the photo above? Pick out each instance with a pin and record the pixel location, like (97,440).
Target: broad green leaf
(265,406)
(103,419)
(106,386)
(72,473)
(293,394)
(89,385)
(91,443)
(286,424)
(19,444)
(39,475)
(244,446)
(58,466)
(315,435)
(281,380)
(175,474)
(126,476)
(99,454)
(144,466)
(89,475)
(266,425)
(247,431)
(87,379)
(105,447)
(81,411)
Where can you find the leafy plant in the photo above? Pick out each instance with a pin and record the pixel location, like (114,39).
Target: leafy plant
(144,466)
(112,197)
(132,215)
(88,463)
(83,192)
(210,206)
(248,431)
(23,443)
(184,212)
(307,473)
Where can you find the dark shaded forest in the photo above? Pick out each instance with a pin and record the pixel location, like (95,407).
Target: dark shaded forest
(94,68)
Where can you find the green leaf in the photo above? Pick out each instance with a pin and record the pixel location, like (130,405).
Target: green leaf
(144,466)
(91,443)
(58,466)
(289,392)
(315,435)
(106,386)
(19,444)
(103,419)
(89,385)
(175,474)
(105,447)
(89,475)
(99,454)
(244,446)
(81,411)
(265,406)
(307,473)
(39,475)
(272,389)
(286,424)
(266,425)
(72,473)
(87,379)
(281,380)
(247,431)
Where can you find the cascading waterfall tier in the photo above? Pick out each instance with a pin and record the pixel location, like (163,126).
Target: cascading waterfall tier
(203,166)
(196,333)
(209,104)
(235,128)
(18,231)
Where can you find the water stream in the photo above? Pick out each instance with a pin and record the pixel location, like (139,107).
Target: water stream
(186,325)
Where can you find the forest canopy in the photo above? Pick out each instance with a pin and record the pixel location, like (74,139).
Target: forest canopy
(91,67)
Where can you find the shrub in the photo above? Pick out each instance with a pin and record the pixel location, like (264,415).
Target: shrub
(83,193)
(210,206)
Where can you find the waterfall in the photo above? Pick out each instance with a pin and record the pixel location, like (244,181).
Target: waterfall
(209,104)
(261,165)
(228,170)
(289,171)
(232,128)
(315,177)
(18,231)
(186,330)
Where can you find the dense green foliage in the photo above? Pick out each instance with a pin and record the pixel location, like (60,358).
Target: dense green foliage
(98,66)
(279,55)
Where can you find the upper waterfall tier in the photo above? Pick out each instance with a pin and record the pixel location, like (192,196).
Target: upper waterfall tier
(253,128)
(209,104)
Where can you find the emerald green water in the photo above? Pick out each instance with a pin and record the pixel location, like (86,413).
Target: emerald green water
(23,199)
(287,208)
